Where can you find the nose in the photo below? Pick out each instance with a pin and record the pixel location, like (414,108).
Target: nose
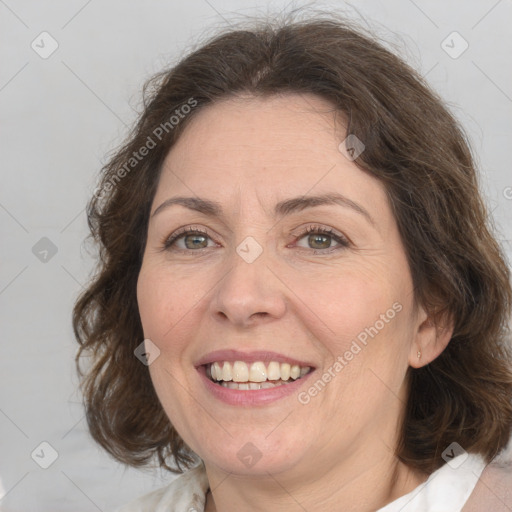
(249,293)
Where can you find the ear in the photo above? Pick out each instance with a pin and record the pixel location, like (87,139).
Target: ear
(433,332)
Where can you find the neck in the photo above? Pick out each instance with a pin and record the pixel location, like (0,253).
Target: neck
(361,486)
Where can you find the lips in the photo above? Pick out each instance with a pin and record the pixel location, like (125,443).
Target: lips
(259,373)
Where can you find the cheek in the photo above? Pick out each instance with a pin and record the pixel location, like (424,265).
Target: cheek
(347,304)
(163,303)
(360,321)
(165,307)
(151,307)
(364,330)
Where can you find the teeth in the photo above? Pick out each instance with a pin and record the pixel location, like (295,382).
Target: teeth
(273,371)
(285,371)
(216,371)
(258,372)
(240,372)
(255,375)
(227,371)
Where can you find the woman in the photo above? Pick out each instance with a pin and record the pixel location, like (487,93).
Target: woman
(299,298)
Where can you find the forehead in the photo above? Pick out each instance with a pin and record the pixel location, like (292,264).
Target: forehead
(272,147)
(285,128)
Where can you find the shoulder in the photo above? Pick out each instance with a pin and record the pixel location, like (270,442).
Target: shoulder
(493,490)
(186,491)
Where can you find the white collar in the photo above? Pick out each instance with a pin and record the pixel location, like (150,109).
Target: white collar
(446,490)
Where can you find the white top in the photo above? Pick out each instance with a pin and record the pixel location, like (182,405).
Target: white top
(446,490)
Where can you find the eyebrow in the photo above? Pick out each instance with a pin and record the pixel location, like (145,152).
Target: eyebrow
(283,208)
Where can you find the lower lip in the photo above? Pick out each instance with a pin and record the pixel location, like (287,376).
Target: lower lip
(251,396)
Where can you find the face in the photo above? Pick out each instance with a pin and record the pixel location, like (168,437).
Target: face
(285,269)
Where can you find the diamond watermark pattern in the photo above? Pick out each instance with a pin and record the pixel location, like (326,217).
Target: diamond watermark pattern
(249,455)
(147,352)
(44,249)
(454,45)
(44,455)
(351,147)
(44,45)
(249,250)
(452,452)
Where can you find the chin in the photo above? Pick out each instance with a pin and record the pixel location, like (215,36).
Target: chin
(256,457)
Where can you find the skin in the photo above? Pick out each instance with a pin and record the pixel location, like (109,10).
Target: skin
(248,154)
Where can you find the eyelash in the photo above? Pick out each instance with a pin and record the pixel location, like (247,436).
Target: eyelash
(192,230)
(340,239)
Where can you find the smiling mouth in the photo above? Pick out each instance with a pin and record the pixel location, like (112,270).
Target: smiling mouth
(253,376)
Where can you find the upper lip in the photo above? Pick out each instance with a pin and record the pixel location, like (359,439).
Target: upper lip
(249,357)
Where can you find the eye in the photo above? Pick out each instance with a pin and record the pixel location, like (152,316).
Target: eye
(191,238)
(320,239)
(317,239)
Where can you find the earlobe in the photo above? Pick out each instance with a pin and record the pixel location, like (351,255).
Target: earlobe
(433,334)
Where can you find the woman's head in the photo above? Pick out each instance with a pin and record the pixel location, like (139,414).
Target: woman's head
(343,229)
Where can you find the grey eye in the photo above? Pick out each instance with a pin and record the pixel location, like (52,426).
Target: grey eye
(195,241)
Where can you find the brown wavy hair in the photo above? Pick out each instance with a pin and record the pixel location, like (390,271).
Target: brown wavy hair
(413,145)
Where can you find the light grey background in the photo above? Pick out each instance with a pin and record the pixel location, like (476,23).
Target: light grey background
(62,114)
